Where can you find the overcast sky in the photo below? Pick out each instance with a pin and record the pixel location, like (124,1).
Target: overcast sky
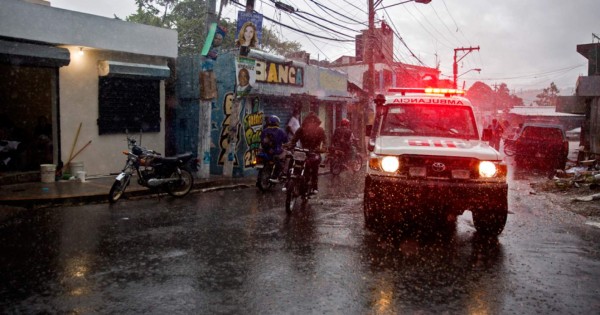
(526,44)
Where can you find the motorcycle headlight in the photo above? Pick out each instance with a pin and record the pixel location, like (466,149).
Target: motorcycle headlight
(487,169)
(390,164)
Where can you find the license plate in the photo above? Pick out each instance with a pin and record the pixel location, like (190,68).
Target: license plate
(417,171)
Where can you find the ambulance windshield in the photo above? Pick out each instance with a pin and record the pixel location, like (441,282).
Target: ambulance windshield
(429,121)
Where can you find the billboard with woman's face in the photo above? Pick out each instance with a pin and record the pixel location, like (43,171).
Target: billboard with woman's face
(249,29)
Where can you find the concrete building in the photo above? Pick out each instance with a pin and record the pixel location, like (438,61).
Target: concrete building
(586,101)
(90,78)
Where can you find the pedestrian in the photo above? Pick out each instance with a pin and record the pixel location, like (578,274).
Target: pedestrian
(497,131)
(293,124)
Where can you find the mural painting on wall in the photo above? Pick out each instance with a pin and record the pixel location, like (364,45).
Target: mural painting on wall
(229,130)
(245,75)
(253,124)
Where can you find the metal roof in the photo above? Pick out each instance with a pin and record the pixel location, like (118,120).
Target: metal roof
(539,111)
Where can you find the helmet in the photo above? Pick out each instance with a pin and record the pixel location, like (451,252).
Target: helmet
(345,122)
(273,121)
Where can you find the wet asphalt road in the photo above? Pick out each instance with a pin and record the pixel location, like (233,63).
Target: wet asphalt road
(237,252)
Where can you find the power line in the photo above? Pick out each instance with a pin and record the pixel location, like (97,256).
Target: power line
(339,25)
(323,7)
(401,39)
(295,29)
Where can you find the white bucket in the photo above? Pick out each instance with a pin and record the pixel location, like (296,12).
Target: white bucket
(81,176)
(75,167)
(48,173)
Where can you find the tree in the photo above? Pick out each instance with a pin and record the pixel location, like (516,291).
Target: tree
(504,100)
(488,99)
(548,97)
(188,17)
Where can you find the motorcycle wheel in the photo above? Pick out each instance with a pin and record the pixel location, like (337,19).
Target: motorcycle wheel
(117,190)
(335,167)
(290,196)
(182,186)
(357,163)
(262,180)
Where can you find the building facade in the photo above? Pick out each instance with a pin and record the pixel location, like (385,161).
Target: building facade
(72,84)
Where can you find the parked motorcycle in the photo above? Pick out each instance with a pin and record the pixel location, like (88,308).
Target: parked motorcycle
(336,161)
(298,183)
(268,176)
(154,171)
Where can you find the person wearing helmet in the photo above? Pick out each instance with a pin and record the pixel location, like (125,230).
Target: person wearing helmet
(272,139)
(343,139)
(312,136)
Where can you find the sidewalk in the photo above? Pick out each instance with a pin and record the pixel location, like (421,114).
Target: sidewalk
(93,190)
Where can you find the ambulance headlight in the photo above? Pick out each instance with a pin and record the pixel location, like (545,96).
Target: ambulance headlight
(390,164)
(487,169)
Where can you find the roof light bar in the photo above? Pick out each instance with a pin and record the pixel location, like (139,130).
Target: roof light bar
(429,90)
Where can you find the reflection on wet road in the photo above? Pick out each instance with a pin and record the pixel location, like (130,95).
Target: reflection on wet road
(237,252)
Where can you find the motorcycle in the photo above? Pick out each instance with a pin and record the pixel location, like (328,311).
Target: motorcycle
(154,171)
(336,161)
(298,182)
(268,176)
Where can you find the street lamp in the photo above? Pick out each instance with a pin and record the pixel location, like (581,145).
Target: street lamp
(474,69)
(458,76)
(393,5)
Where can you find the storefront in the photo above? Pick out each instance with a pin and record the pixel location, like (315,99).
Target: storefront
(279,87)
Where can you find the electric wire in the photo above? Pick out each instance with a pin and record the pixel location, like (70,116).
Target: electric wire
(401,39)
(323,7)
(295,29)
(362,10)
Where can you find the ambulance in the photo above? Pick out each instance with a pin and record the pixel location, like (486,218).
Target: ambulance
(429,162)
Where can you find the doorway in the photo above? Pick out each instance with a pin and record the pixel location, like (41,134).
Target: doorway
(27,123)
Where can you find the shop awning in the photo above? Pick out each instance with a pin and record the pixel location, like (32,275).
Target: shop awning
(27,54)
(124,69)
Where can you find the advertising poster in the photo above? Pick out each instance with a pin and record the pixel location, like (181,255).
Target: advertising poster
(249,29)
(245,73)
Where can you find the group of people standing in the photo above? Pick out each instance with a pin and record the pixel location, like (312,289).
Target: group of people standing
(309,135)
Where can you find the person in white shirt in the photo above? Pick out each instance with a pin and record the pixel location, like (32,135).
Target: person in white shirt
(293,124)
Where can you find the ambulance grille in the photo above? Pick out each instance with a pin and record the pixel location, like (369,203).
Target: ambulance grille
(439,166)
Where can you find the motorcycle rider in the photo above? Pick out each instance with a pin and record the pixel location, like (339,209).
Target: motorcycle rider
(343,139)
(312,136)
(272,139)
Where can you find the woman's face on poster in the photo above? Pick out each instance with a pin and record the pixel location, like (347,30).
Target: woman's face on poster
(248,34)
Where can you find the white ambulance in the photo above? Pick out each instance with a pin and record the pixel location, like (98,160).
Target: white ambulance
(428,163)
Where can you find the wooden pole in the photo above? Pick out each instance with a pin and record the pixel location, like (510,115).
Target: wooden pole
(74,143)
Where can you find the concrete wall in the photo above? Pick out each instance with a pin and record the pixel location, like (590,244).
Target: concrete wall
(78,96)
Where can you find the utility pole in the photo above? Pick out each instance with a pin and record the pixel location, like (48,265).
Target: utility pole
(455,64)
(368,44)
(204,109)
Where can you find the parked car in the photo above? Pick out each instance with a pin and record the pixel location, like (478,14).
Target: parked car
(539,144)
